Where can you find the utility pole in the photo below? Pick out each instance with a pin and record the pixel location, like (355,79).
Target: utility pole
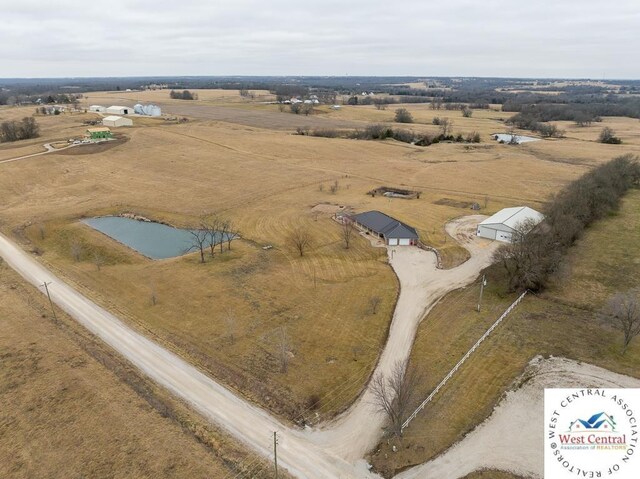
(46,287)
(275,451)
(482,285)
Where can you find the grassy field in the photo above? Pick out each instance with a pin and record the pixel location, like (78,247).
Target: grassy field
(562,322)
(231,314)
(70,408)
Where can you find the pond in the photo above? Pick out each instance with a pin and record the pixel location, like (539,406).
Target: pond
(506,138)
(153,240)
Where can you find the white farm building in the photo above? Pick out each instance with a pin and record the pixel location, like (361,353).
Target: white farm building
(119,110)
(116,121)
(97,108)
(508,221)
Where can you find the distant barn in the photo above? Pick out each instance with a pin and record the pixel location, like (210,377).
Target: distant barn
(119,110)
(115,121)
(394,232)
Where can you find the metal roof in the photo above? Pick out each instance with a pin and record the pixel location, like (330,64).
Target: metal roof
(385,225)
(511,217)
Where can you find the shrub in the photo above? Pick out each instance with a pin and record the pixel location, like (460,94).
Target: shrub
(607,135)
(403,116)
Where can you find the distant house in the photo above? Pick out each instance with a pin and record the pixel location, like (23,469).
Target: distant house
(119,110)
(99,132)
(116,121)
(394,232)
(97,108)
(506,222)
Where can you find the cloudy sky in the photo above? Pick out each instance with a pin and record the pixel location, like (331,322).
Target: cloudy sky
(530,38)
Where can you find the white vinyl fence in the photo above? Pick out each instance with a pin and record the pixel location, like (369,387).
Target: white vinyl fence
(464,358)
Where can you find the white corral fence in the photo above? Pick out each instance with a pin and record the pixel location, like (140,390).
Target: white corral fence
(464,358)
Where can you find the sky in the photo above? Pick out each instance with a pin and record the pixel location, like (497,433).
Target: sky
(533,38)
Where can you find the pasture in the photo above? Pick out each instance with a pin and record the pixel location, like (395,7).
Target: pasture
(295,334)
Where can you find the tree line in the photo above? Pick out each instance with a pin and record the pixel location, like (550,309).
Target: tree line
(19,130)
(537,250)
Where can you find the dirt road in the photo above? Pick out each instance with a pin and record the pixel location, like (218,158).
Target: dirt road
(358,430)
(249,424)
(516,424)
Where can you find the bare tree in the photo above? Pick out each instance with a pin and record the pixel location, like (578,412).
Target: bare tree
(210,223)
(76,249)
(394,394)
(623,309)
(467,112)
(348,229)
(335,186)
(300,239)
(446,126)
(98,260)
(230,233)
(199,241)
(374,304)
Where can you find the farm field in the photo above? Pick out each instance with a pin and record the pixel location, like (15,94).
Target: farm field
(72,409)
(295,334)
(539,326)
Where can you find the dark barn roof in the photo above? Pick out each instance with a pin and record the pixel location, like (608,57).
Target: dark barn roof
(386,225)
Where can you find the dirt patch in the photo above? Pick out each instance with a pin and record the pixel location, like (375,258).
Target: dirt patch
(457,203)
(510,439)
(91,148)
(331,209)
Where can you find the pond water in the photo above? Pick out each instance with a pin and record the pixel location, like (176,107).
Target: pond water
(153,240)
(506,137)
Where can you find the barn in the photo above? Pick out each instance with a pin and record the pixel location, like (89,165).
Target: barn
(116,121)
(393,232)
(506,222)
(99,133)
(119,110)
(97,108)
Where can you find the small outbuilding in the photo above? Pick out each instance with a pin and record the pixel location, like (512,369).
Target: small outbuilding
(506,222)
(116,121)
(394,232)
(97,108)
(119,110)
(99,132)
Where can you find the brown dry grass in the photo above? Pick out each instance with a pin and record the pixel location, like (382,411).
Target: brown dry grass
(268,181)
(70,409)
(539,326)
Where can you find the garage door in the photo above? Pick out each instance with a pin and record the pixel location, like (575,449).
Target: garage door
(405,241)
(393,241)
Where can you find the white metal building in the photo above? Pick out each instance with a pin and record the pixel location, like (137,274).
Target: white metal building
(97,108)
(116,121)
(506,222)
(119,110)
